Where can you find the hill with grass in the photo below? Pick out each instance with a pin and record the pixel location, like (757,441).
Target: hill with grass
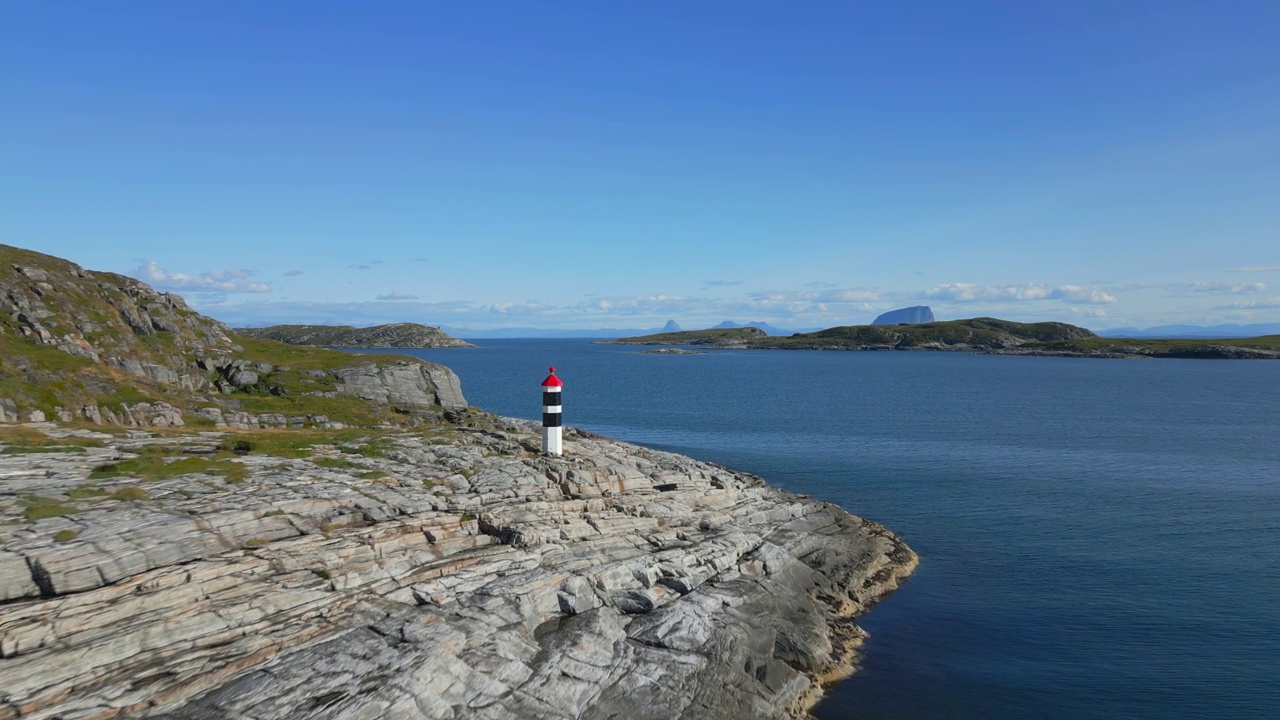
(984,335)
(78,344)
(395,335)
(975,334)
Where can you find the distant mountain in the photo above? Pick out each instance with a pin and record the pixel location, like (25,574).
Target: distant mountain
(1194,331)
(396,335)
(910,316)
(766,327)
(672,326)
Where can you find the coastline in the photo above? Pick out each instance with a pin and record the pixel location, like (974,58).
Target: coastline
(489,564)
(1205,352)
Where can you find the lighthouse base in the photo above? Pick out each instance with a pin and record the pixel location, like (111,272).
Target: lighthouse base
(552,441)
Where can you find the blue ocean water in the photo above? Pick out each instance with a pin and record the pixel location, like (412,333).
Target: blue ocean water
(1099,538)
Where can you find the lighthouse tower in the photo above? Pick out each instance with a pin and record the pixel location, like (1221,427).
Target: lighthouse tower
(552,432)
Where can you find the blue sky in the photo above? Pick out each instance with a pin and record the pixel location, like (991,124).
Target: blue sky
(584,165)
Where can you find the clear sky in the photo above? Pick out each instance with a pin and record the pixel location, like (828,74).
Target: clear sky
(609,164)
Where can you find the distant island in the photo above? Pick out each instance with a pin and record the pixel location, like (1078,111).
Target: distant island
(396,335)
(983,335)
(906,316)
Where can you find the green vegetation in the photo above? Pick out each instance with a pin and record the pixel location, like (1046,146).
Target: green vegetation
(302,443)
(86,492)
(65,536)
(336,463)
(1143,345)
(322,573)
(156,467)
(130,494)
(24,439)
(398,335)
(256,542)
(22,450)
(38,507)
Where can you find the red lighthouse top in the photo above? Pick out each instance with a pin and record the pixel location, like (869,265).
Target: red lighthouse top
(552,380)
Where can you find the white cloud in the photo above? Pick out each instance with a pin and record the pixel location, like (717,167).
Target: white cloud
(1269,268)
(1233,288)
(397,295)
(231,280)
(1265,303)
(293,273)
(1077,294)
(836,295)
(969,292)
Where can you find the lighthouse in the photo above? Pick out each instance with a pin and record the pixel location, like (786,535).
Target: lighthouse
(552,432)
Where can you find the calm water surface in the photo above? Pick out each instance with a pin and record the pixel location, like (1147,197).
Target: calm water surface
(1099,538)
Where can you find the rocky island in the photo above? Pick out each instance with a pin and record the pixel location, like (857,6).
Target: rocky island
(223,526)
(980,335)
(395,335)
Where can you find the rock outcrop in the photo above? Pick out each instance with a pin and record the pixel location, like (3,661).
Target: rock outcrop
(906,316)
(446,572)
(396,335)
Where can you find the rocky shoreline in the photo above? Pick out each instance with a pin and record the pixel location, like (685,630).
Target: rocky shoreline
(447,571)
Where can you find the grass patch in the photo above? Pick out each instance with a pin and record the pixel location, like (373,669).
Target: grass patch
(85,492)
(155,467)
(374,448)
(336,463)
(38,507)
(28,450)
(130,494)
(467,517)
(26,437)
(373,475)
(322,573)
(302,443)
(256,542)
(66,536)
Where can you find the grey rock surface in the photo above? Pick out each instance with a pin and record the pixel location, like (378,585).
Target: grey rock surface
(450,571)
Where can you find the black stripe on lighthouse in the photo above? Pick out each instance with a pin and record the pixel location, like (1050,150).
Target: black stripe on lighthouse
(550,398)
(550,419)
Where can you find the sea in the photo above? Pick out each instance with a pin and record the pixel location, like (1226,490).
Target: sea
(1098,538)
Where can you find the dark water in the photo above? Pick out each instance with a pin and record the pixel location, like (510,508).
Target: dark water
(1099,539)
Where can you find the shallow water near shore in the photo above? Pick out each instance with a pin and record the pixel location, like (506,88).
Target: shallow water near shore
(1098,538)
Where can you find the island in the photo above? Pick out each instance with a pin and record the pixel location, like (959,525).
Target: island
(978,335)
(396,335)
(196,524)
